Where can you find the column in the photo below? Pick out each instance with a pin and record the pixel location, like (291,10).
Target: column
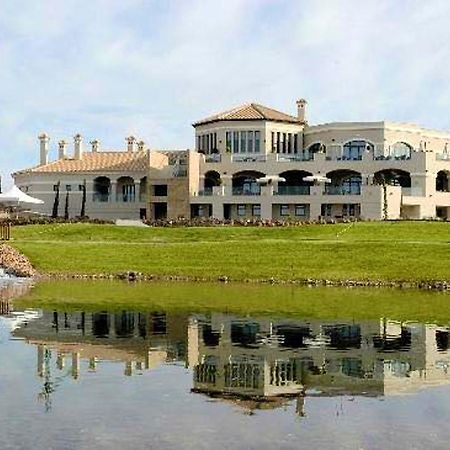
(75,365)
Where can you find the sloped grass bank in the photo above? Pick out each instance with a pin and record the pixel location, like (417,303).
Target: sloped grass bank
(397,251)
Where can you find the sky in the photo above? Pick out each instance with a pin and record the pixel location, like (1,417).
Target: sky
(111,68)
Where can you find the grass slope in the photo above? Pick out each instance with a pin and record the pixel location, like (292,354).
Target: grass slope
(365,251)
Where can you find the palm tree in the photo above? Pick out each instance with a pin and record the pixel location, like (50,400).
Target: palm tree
(66,207)
(83,200)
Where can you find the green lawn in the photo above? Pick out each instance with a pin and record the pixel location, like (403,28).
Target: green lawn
(364,251)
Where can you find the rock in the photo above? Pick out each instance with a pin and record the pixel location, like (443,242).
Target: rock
(15,263)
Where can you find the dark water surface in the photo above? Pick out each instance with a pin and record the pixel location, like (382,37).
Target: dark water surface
(79,379)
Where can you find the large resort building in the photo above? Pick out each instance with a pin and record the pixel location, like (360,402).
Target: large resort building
(253,162)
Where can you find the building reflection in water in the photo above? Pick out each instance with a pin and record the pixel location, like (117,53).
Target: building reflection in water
(256,363)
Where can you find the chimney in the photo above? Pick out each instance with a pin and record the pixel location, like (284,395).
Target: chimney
(62,149)
(131,143)
(141,146)
(43,140)
(78,145)
(95,145)
(301,109)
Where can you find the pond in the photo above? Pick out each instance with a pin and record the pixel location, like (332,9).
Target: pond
(114,365)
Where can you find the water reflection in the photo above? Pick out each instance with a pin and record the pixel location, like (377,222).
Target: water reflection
(253,362)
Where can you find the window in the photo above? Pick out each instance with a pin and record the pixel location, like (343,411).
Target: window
(228,141)
(55,187)
(256,210)
(68,187)
(241,210)
(295,143)
(250,141)
(201,211)
(243,141)
(354,150)
(81,187)
(160,190)
(300,210)
(284,210)
(257,141)
(236,142)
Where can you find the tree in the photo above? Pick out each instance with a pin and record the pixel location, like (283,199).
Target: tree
(56,201)
(83,200)
(66,207)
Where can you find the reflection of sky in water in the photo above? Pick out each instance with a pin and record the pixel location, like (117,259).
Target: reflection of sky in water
(156,408)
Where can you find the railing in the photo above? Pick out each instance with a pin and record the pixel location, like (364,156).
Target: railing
(242,191)
(344,158)
(392,157)
(248,158)
(412,192)
(180,172)
(342,190)
(442,156)
(283,157)
(213,158)
(206,192)
(293,190)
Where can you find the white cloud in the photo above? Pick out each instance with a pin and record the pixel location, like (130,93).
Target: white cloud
(107,68)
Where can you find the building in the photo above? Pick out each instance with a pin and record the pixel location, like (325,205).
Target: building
(256,160)
(253,162)
(115,182)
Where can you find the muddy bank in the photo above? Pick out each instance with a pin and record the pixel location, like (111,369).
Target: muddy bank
(438,285)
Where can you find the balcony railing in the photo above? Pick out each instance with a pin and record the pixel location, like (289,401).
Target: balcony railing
(293,190)
(392,157)
(206,192)
(442,156)
(283,157)
(180,171)
(214,158)
(248,158)
(242,191)
(342,190)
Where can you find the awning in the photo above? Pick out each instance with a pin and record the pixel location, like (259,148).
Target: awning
(270,179)
(15,195)
(317,179)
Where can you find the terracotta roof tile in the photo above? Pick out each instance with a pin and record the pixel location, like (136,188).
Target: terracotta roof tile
(109,161)
(250,111)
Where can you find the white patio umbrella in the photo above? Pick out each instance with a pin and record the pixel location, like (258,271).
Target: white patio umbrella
(15,195)
(270,179)
(317,179)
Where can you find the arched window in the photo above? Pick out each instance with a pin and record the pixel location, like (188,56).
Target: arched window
(102,186)
(344,182)
(245,183)
(354,150)
(401,150)
(126,191)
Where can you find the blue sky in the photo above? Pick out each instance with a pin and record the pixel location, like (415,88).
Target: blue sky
(108,68)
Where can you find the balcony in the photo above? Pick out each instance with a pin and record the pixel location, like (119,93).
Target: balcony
(180,171)
(213,158)
(293,190)
(392,157)
(248,158)
(283,157)
(207,192)
(244,191)
(342,190)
